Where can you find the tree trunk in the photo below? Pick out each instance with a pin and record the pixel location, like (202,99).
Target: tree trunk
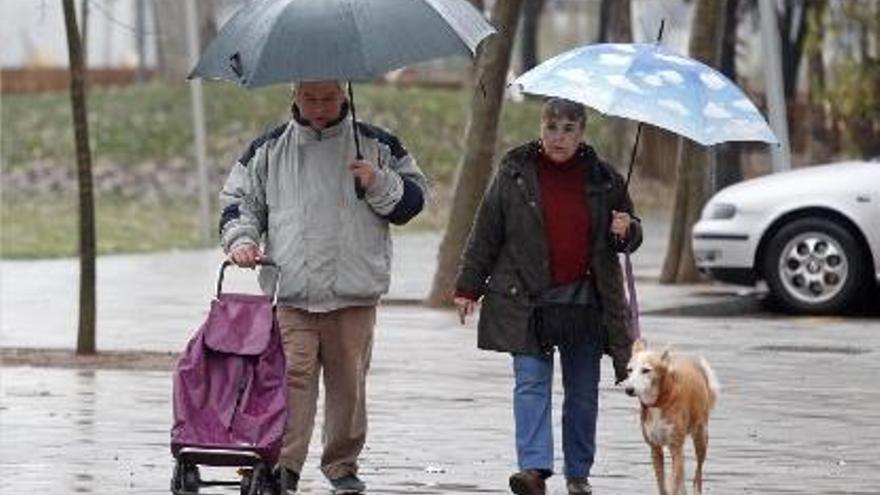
(727,165)
(84,29)
(85,342)
(821,144)
(657,155)
(531,17)
(658,151)
(620,133)
(793,31)
(615,21)
(475,168)
(679,266)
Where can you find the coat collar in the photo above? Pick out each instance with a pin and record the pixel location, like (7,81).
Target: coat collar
(523,159)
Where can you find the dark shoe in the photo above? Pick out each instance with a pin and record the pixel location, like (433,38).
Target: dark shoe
(349,484)
(528,482)
(288,480)
(578,486)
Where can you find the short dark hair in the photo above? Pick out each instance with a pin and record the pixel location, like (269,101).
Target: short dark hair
(556,108)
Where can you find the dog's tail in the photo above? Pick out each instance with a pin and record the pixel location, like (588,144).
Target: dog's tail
(712,380)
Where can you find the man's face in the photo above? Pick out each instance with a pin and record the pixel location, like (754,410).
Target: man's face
(320,102)
(561,137)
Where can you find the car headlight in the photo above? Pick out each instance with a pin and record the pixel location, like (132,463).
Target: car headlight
(720,211)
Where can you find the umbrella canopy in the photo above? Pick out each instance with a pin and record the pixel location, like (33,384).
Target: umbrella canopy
(274,41)
(647,83)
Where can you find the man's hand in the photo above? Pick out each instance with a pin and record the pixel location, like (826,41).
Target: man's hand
(365,173)
(465,308)
(620,222)
(246,255)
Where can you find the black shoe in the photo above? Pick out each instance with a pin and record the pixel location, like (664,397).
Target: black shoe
(288,480)
(578,486)
(349,484)
(528,482)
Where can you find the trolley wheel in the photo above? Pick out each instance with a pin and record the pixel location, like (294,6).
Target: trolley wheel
(247,478)
(185,480)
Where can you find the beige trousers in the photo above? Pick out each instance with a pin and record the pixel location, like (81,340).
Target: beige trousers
(340,343)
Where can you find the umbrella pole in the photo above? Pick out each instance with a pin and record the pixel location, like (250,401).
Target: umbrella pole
(359,191)
(632,159)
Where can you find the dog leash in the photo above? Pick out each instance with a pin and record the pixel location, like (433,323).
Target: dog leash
(632,303)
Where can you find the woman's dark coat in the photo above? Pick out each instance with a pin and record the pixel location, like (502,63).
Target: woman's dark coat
(507,259)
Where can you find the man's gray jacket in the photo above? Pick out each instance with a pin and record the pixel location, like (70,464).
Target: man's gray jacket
(293,191)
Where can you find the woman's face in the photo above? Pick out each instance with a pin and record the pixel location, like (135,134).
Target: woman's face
(561,137)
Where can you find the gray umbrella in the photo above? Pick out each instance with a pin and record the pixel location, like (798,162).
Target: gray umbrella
(274,41)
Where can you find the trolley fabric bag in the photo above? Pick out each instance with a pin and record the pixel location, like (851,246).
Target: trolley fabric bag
(230,388)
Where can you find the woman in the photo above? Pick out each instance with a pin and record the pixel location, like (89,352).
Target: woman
(542,254)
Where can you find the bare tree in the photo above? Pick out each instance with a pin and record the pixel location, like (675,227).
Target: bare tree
(531,17)
(690,188)
(658,149)
(615,21)
(475,168)
(84,15)
(615,26)
(727,164)
(85,342)
(793,28)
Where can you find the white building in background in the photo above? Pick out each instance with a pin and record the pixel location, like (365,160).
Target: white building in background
(33,35)
(32,32)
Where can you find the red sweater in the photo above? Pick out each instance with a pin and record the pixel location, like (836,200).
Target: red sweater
(566,218)
(567,222)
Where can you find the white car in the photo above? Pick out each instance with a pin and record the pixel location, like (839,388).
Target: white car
(813,234)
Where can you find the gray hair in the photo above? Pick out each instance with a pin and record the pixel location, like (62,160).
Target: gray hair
(556,108)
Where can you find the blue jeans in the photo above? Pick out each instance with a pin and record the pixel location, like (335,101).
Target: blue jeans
(532,405)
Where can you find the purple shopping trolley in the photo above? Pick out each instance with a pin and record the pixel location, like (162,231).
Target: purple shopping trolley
(230,395)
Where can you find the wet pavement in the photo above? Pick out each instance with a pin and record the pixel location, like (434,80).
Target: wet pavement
(799,413)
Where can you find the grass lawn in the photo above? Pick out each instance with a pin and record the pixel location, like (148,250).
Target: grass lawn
(47,227)
(151,123)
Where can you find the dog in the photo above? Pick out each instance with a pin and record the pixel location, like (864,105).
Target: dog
(676,395)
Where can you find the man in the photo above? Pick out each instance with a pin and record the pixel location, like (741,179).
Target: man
(294,190)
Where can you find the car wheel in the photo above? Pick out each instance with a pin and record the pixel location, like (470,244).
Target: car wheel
(813,265)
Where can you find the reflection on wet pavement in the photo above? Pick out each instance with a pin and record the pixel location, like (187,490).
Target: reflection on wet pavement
(441,422)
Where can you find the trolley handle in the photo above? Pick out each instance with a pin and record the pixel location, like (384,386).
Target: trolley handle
(227,263)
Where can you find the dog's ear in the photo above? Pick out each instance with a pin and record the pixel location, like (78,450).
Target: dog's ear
(639,346)
(666,357)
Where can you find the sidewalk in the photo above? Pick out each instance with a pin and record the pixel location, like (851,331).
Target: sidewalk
(799,412)
(798,415)
(154,301)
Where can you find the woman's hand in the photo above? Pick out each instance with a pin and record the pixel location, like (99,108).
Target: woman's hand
(465,308)
(620,222)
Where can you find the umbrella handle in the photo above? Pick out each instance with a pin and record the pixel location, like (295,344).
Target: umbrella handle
(358,188)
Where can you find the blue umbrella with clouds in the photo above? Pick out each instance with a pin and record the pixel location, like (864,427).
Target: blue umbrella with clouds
(650,84)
